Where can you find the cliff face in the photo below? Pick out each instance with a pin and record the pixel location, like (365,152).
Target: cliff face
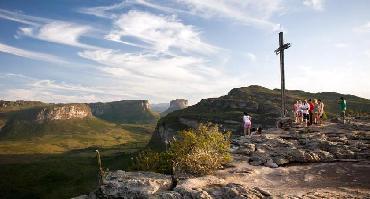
(63,112)
(261,103)
(125,111)
(175,105)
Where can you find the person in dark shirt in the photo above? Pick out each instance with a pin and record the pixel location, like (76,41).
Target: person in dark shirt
(310,111)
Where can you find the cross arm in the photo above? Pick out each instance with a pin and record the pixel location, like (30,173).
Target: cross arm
(283,47)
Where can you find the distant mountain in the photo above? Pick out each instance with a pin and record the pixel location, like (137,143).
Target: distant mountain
(125,111)
(175,105)
(160,107)
(262,103)
(22,119)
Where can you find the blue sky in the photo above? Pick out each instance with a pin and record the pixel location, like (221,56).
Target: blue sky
(87,51)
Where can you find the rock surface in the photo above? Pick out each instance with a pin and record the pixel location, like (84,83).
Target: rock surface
(331,161)
(63,112)
(331,142)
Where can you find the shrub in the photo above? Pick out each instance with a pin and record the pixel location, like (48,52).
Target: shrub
(148,160)
(197,151)
(201,151)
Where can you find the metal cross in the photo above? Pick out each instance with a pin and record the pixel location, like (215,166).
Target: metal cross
(280,51)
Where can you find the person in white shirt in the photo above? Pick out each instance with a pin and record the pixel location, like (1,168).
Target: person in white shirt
(247,123)
(305,111)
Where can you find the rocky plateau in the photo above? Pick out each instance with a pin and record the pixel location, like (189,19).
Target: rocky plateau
(328,161)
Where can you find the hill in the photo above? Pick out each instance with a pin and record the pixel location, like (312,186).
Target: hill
(262,103)
(125,111)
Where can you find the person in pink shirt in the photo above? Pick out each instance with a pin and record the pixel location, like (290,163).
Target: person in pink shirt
(247,124)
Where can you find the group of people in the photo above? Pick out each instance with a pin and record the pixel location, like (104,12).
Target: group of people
(308,112)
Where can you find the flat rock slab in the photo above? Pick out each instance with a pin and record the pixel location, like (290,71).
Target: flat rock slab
(121,184)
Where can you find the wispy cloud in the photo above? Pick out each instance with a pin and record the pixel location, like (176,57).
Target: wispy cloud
(174,68)
(315,4)
(31,55)
(49,30)
(58,32)
(30,88)
(22,18)
(103,11)
(248,12)
(161,75)
(159,33)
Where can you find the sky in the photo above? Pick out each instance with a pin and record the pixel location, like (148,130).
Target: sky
(108,50)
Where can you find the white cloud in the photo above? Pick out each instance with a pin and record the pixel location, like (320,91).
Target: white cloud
(29,88)
(365,28)
(248,12)
(58,32)
(22,18)
(340,81)
(159,33)
(45,29)
(161,76)
(341,45)
(31,55)
(315,4)
(367,53)
(252,57)
(103,11)
(149,65)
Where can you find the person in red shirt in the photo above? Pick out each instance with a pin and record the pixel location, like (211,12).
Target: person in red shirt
(312,107)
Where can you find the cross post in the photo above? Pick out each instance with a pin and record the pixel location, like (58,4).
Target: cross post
(280,51)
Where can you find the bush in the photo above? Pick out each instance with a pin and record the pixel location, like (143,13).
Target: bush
(148,160)
(197,151)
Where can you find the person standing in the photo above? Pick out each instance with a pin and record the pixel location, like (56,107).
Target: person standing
(300,113)
(247,124)
(321,111)
(316,111)
(305,111)
(295,111)
(310,111)
(343,107)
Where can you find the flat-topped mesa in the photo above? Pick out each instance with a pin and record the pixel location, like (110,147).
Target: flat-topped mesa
(124,111)
(63,112)
(175,105)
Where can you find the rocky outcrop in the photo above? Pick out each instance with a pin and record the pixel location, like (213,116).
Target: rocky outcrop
(63,112)
(175,105)
(125,111)
(148,185)
(332,142)
(261,103)
(336,157)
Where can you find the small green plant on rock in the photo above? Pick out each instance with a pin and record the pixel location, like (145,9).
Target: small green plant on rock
(197,151)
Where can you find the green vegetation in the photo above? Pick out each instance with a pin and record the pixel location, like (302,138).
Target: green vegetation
(197,151)
(65,135)
(62,164)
